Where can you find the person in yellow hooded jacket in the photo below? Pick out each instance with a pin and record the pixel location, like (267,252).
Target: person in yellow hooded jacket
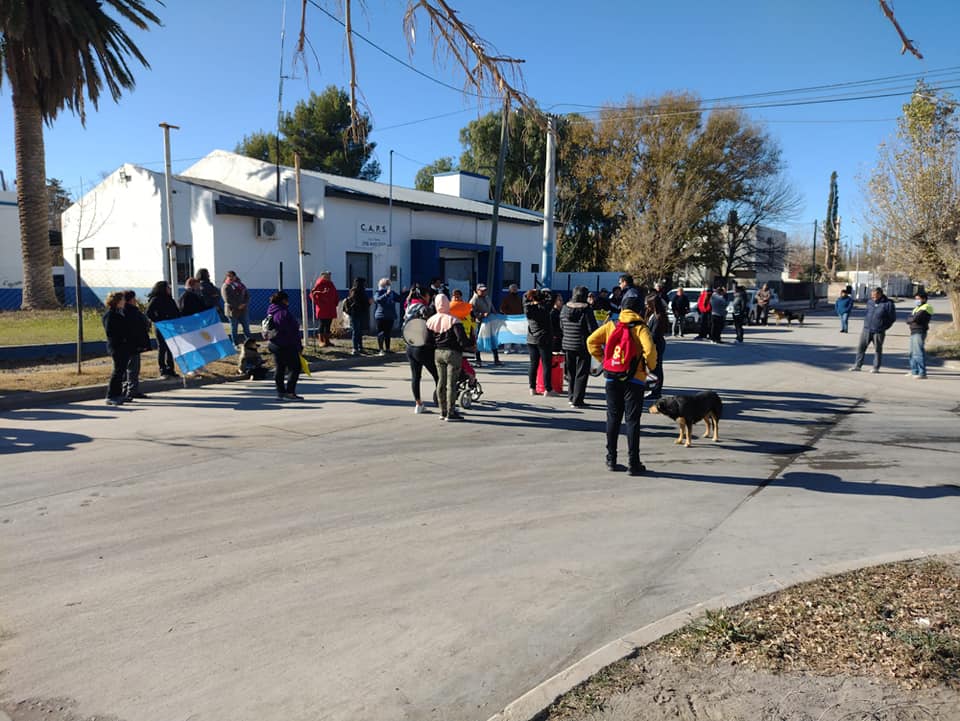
(625,398)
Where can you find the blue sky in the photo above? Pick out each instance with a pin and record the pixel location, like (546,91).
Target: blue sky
(215,67)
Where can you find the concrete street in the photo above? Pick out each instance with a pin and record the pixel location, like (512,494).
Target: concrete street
(211,554)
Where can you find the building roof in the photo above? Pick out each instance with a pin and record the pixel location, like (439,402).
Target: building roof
(235,202)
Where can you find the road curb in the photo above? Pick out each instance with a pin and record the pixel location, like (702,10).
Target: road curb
(539,698)
(30,399)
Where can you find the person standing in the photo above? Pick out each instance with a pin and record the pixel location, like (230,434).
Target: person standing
(285,346)
(385,313)
(357,306)
(704,308)
(628,289)
(919,323)
(325,299)
(191,302)
(536,307)
(577,322)
(420,306)
(680,305)
(209,292)
(236,300)
(450,339)
(556,329)
(740,308)
(482,308)
(162,306)
(718,314)
(138,333)
(655,315)
(763,297)
(844,306)
(118,346)
(880,314)
(625,397)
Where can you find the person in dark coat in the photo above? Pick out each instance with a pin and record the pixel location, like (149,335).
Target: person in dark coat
(357,306)
(919,323)
(209,292)
(680,305)
(536,307)
(138,331)
(285,346)
(844,306)
(162,306)
(655,315)
(385,313)
(741,305)
(420,305)
(556,330)
(118,346)
(191,302)
(879,315)
(577,321)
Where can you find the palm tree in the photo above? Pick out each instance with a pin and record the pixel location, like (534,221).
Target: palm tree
(58,54)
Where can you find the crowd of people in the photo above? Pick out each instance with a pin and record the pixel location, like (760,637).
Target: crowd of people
(440,331)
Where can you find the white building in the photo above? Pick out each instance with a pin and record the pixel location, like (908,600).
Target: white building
(11,259)
(227,217)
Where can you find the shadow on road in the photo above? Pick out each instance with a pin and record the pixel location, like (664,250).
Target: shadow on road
(25,440)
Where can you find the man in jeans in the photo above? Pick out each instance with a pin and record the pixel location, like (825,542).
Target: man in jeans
(878,317)
(919,323)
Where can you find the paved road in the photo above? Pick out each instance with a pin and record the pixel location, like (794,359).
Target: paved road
(212,555)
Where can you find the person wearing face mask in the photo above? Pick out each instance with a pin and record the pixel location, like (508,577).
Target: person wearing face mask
(385,313)
(919,322)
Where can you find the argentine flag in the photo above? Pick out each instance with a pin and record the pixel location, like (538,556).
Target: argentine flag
(196,340)
(498,330)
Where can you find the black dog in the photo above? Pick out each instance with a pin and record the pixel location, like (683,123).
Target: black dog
(704,406)
(789,315)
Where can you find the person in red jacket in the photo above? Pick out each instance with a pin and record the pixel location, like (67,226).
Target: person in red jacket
(325,299)
(704,307)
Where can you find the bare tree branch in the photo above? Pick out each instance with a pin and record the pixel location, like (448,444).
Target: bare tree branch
(907,42)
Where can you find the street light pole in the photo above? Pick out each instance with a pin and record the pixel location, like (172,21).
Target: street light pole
(498,191)
(168,177)
(813,270)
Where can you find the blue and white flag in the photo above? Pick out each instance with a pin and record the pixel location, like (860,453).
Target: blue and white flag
(196,340)
(498,330)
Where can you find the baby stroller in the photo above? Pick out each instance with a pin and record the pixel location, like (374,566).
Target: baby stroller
(468,387)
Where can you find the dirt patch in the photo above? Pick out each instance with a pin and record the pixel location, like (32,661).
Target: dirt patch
(55,709)
(881,643)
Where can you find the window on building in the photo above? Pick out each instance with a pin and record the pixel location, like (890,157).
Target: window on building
(511,273)
(184,263)
(86,253)
(113,253)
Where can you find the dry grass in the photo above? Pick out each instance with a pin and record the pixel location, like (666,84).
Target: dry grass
(57,374)
(944,343)
(898,623)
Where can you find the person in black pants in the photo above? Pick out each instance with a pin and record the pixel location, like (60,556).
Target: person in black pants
(420,305)
(162,306)
(577,322)
(118,345)
(655,313)
(625,397)
(536,307)
(285,346)
(138,333)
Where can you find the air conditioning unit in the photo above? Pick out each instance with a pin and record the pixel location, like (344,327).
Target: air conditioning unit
(268,228)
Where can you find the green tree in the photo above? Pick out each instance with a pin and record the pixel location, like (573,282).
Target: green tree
(319,130)
(913,194)
(831,237)
(58,199)
(58,55)
(424,178)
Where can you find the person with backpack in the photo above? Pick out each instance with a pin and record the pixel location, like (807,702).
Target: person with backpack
(385,313)
(420,343)
(357,306)
(285,345)
(625,349)
(577,322)
(324,297)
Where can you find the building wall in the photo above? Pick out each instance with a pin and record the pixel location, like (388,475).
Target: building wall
(11,258)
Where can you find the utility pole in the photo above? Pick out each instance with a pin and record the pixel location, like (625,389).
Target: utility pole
(168,176)
(549,196)
(300,253)
(390,206)
(813,270)
(498,191)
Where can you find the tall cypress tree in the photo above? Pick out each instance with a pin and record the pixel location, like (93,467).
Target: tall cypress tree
(831,241)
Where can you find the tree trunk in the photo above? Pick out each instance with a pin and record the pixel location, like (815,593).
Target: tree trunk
(38,292)
(954,295)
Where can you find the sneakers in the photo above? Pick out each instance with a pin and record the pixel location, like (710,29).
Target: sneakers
(418,408)
(854,369)
(550,394)
(293,397)
(921,377)
(533,391)
(355,352)
(114,401)
(497,364)
(382,352)
(454,416)
(874,370)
